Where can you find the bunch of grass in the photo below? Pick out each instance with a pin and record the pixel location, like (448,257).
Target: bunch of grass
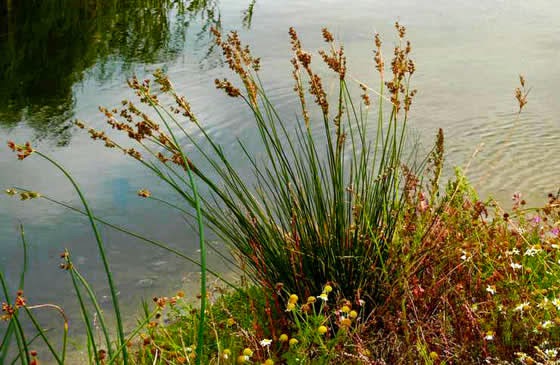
(322,206)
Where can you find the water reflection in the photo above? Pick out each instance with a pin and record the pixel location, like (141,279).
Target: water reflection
(47,46)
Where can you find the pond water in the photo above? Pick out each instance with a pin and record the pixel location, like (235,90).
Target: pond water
(61,59)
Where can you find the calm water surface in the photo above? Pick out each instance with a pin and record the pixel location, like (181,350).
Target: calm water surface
(60,60)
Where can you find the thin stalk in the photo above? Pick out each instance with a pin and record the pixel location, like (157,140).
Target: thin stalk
(41,331)
(140,237)
(4,345)
(97,307)
(19,333)
(28,343)
(101,248)
(202,245)
(25,258)
(92,347)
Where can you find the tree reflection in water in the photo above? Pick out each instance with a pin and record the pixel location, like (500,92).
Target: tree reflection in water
(47,45)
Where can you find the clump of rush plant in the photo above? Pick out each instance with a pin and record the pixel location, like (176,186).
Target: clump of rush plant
(352,255)
(471,283)
(324,202)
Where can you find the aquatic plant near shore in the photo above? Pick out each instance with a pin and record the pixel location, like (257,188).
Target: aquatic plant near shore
(355,258)
(302,218)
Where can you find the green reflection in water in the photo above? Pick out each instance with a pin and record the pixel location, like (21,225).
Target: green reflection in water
(47,45)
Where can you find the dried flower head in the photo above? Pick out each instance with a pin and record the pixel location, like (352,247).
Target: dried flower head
(521,93)
(144,193)
(22,151)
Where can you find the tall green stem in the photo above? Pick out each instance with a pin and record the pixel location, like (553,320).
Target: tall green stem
(102,253)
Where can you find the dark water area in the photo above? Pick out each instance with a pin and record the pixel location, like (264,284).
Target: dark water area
(47,47)
(61,59)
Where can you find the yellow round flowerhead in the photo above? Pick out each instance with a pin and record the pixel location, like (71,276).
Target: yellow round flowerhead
(248,352)
(345,309)
(269,362)
(226,353)
(322,330)
(290,307)
(241,359)
(345,322)
(283,337)
(293,341)
(311,300)
(353,314)
(293,299)
(327,289)
(230,322)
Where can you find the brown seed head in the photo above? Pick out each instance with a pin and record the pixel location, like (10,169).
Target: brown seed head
(228,87)
(144,193)
(400,29)
(327,36)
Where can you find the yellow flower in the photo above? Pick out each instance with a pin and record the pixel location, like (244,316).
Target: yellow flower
(293,299)
(324,297)
(322,330)
(353,314)
(490,336)
(345,309)
(293,341)
(327,289)
(269,362)
(241,359)
(290,307)
(345,322)
(311,300)
(226,353)
(230,321)
(283,337)
(248,352)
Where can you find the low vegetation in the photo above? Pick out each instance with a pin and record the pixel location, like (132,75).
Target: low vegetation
(351,251)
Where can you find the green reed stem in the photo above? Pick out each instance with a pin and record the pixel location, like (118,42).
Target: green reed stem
(97,307)
(25,258)
(6,339)
(41,333)
(140,237)
(202,245)
(5,344)
(91,346)
(30,342)
(19,333)
(102,253)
